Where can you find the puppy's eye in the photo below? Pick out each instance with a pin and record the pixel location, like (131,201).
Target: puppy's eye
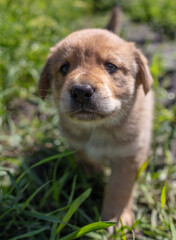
(111,68)
(64,68)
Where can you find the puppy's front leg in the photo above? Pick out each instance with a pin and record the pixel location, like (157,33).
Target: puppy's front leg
(119,191)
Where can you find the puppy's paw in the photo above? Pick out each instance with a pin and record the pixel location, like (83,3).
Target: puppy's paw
(127,218)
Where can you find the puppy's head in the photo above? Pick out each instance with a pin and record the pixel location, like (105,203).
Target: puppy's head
(94,75)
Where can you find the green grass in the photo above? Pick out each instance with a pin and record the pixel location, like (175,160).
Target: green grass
(159,14)
(44,194)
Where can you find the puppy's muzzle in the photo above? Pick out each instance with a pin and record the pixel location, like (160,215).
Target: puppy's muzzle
(84,106)
(82,94)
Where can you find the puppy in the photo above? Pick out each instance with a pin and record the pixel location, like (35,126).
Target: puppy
(101,85)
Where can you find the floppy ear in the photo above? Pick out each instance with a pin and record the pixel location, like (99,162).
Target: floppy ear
(144,76)
(45,80)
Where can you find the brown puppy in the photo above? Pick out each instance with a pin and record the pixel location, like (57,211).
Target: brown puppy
(101,85)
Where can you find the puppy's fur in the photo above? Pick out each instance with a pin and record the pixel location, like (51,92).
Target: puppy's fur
(101,85)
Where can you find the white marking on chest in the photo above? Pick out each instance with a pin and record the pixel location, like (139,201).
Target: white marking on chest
(102,147)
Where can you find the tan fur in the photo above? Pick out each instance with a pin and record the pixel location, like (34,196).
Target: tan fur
(117,124)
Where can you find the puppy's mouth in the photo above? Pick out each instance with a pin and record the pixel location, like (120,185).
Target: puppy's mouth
(87,115)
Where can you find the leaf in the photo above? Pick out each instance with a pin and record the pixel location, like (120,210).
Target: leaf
(29,234)
(163,195)
(87,229)
(74,206)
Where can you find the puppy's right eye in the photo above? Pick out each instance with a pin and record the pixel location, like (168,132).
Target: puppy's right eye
(64,68)
(110,67)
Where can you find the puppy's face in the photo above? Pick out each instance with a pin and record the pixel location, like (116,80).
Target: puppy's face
(94,75)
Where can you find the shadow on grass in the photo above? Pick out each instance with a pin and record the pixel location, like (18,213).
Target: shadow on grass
(49,189)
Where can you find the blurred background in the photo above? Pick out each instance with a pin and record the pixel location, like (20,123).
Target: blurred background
(29,126)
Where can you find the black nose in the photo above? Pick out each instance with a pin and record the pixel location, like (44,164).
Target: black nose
(82,93)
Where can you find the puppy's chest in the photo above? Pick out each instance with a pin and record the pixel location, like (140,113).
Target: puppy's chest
(101,144)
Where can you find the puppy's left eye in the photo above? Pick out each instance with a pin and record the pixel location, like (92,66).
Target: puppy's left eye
(110,67)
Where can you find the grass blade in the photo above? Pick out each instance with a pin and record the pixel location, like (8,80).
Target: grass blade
(53,231)
(74,206)
(5,213)
(123,237)
(172,228)
(33,195)
(42,216)
(163,195)
(142,168)
(87,229)
(29,234)
(57,156)
(12,179)
(72,191)
(58,186)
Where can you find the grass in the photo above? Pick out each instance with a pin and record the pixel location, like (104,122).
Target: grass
(159,14)
(154,13)
(43,192)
